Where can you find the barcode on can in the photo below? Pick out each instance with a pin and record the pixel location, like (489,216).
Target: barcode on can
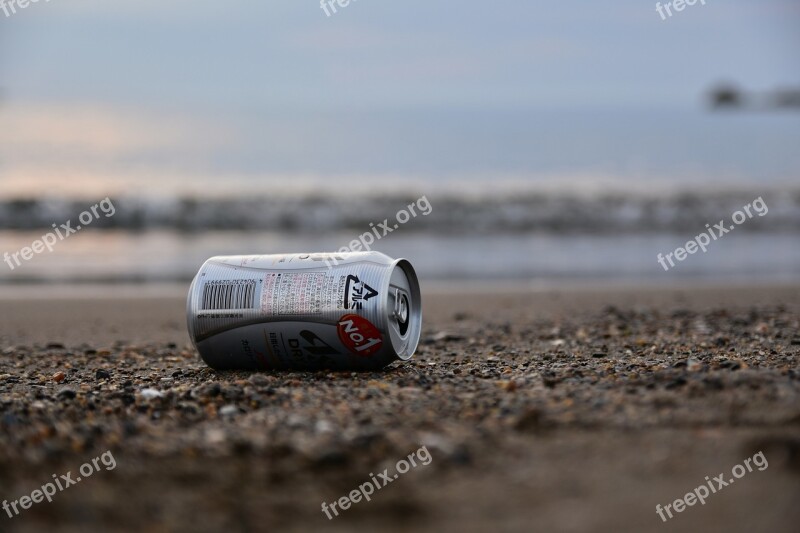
(229,294)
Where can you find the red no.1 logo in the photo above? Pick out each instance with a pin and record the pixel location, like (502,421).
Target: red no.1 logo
(359,335)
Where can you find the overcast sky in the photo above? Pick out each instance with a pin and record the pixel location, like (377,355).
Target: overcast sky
(386,53)
(431,86)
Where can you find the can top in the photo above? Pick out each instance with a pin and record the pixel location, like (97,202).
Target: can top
(404,309)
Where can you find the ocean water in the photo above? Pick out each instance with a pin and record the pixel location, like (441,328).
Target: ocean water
(540,237)
(535,195)
(163,256)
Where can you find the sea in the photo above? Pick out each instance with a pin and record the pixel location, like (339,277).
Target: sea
(541,197)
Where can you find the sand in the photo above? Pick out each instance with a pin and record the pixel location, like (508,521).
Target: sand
(577,409)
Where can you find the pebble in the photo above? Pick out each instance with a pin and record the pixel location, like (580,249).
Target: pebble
(509,386)
(531,420)
(259,380)
(67,393)
(446,336)
(693,365)
(229,410)
(149,394)
(472,400)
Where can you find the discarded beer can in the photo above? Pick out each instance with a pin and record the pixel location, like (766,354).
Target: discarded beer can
(359,310)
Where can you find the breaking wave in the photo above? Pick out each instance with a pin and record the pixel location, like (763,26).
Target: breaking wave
(551,212)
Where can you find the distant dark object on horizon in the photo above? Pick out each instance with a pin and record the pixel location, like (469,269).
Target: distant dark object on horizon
(728,96)
(787,98)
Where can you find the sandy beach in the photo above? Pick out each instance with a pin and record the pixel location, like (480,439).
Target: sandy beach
(601,205)
(547,410)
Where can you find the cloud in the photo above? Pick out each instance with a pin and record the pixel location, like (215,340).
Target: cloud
(95,130)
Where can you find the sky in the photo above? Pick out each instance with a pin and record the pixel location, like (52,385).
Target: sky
(182,94)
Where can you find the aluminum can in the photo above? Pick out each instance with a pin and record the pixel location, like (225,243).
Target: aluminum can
(308,311)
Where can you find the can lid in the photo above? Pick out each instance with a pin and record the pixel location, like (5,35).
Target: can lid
(405,309)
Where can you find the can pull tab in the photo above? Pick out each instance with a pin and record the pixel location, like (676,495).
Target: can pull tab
(400,312)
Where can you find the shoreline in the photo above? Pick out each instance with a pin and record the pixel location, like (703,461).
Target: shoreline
(157,313)
(90,290)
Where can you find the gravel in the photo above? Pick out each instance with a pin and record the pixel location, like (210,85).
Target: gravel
(578,422)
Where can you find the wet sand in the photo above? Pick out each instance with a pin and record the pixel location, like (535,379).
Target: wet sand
(544,410)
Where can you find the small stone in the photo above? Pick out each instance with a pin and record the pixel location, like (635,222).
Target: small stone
(211,389)
(446,336)
(550,381)
(66,393)
(55,346)
(330,456)
(531,420)
(323,426)
(509,386)
(214,436)
(259,380)
(102,374)
(58,377)
(732,364)
(149,394)
(693,365)
(229,410)
(599,354)
(675,383)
